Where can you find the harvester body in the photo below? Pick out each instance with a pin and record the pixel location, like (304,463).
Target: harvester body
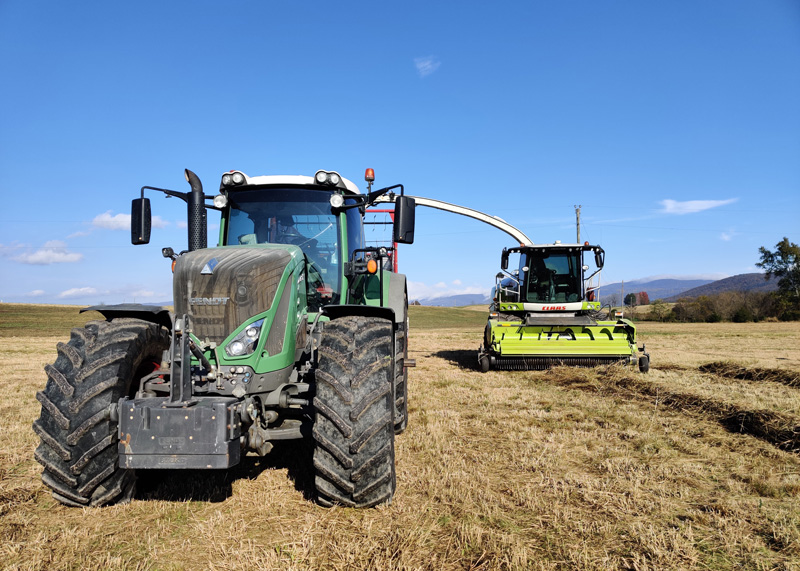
(290,328)
(545,313)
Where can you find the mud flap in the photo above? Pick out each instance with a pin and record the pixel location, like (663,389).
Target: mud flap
(156,434)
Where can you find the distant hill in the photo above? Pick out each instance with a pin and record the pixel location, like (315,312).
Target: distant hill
(741,282)
(666,289)
(459,300)
(656,289)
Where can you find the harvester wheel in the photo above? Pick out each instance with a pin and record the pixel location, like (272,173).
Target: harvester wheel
(483,362)
(644,363)
(100,364)
(353,427)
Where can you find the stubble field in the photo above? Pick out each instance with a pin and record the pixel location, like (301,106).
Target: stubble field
(693,466)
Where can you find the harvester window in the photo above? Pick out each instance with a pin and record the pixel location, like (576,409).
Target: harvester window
(554,277)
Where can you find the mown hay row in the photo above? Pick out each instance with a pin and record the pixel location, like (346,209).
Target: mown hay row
(780,430)
(761,374)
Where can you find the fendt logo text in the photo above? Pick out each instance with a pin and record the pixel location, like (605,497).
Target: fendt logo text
(208,300)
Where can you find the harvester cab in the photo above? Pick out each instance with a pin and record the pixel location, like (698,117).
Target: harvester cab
(547,312)
(290,328)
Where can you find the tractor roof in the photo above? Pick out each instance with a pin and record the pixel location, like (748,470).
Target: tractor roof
(295,180)
(556,246)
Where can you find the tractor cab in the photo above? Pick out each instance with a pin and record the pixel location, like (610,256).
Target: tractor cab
(281,210)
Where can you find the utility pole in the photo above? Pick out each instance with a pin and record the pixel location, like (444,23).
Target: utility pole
(578,221)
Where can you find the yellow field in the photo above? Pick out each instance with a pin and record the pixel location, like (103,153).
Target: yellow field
(693,466)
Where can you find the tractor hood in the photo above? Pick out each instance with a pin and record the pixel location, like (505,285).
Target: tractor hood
(220,288)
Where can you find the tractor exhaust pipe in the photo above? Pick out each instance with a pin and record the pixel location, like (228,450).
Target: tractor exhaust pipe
(196,213)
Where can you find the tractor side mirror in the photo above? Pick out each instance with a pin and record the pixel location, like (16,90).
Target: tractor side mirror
(504,259)
(404,211)
(140,221)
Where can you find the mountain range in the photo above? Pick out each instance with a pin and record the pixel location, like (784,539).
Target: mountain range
(666,289)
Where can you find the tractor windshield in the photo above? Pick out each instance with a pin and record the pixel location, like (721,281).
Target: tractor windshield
(296,216)
(552,276)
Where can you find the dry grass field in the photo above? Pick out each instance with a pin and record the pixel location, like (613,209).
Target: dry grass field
(693,466)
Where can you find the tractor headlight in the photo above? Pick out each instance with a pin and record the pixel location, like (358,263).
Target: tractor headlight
(227,180)
(321,177)
(245,342)
(220,201)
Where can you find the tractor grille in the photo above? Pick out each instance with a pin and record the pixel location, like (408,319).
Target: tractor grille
(542,363)
(242,283)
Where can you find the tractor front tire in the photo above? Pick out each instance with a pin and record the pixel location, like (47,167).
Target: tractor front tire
(79,438)
(353,421)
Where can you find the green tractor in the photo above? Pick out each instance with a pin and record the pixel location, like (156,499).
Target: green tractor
(290,329)
(545,314)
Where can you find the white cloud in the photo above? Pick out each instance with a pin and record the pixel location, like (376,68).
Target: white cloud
(426,65)
(692,206)
(728,236)
(182,224)
(143,293)
(115,222)
(53,252)
(457,282)
(122,221)
(79,234)
(77,292)
(36,293)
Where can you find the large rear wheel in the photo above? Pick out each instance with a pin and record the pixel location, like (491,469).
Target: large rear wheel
(353,424)
(99,365)
(401,379)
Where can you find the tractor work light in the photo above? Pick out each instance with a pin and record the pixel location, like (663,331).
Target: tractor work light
(328,178)
(233,178)
(220,201)
(337,200)
(245,342)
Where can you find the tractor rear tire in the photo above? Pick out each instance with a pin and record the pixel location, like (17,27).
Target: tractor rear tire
(401,380)
(79,439)
(353,421)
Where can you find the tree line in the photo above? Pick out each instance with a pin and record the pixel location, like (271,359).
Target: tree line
(742,306)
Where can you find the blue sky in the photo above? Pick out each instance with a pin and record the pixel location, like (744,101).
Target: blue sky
(676,126)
